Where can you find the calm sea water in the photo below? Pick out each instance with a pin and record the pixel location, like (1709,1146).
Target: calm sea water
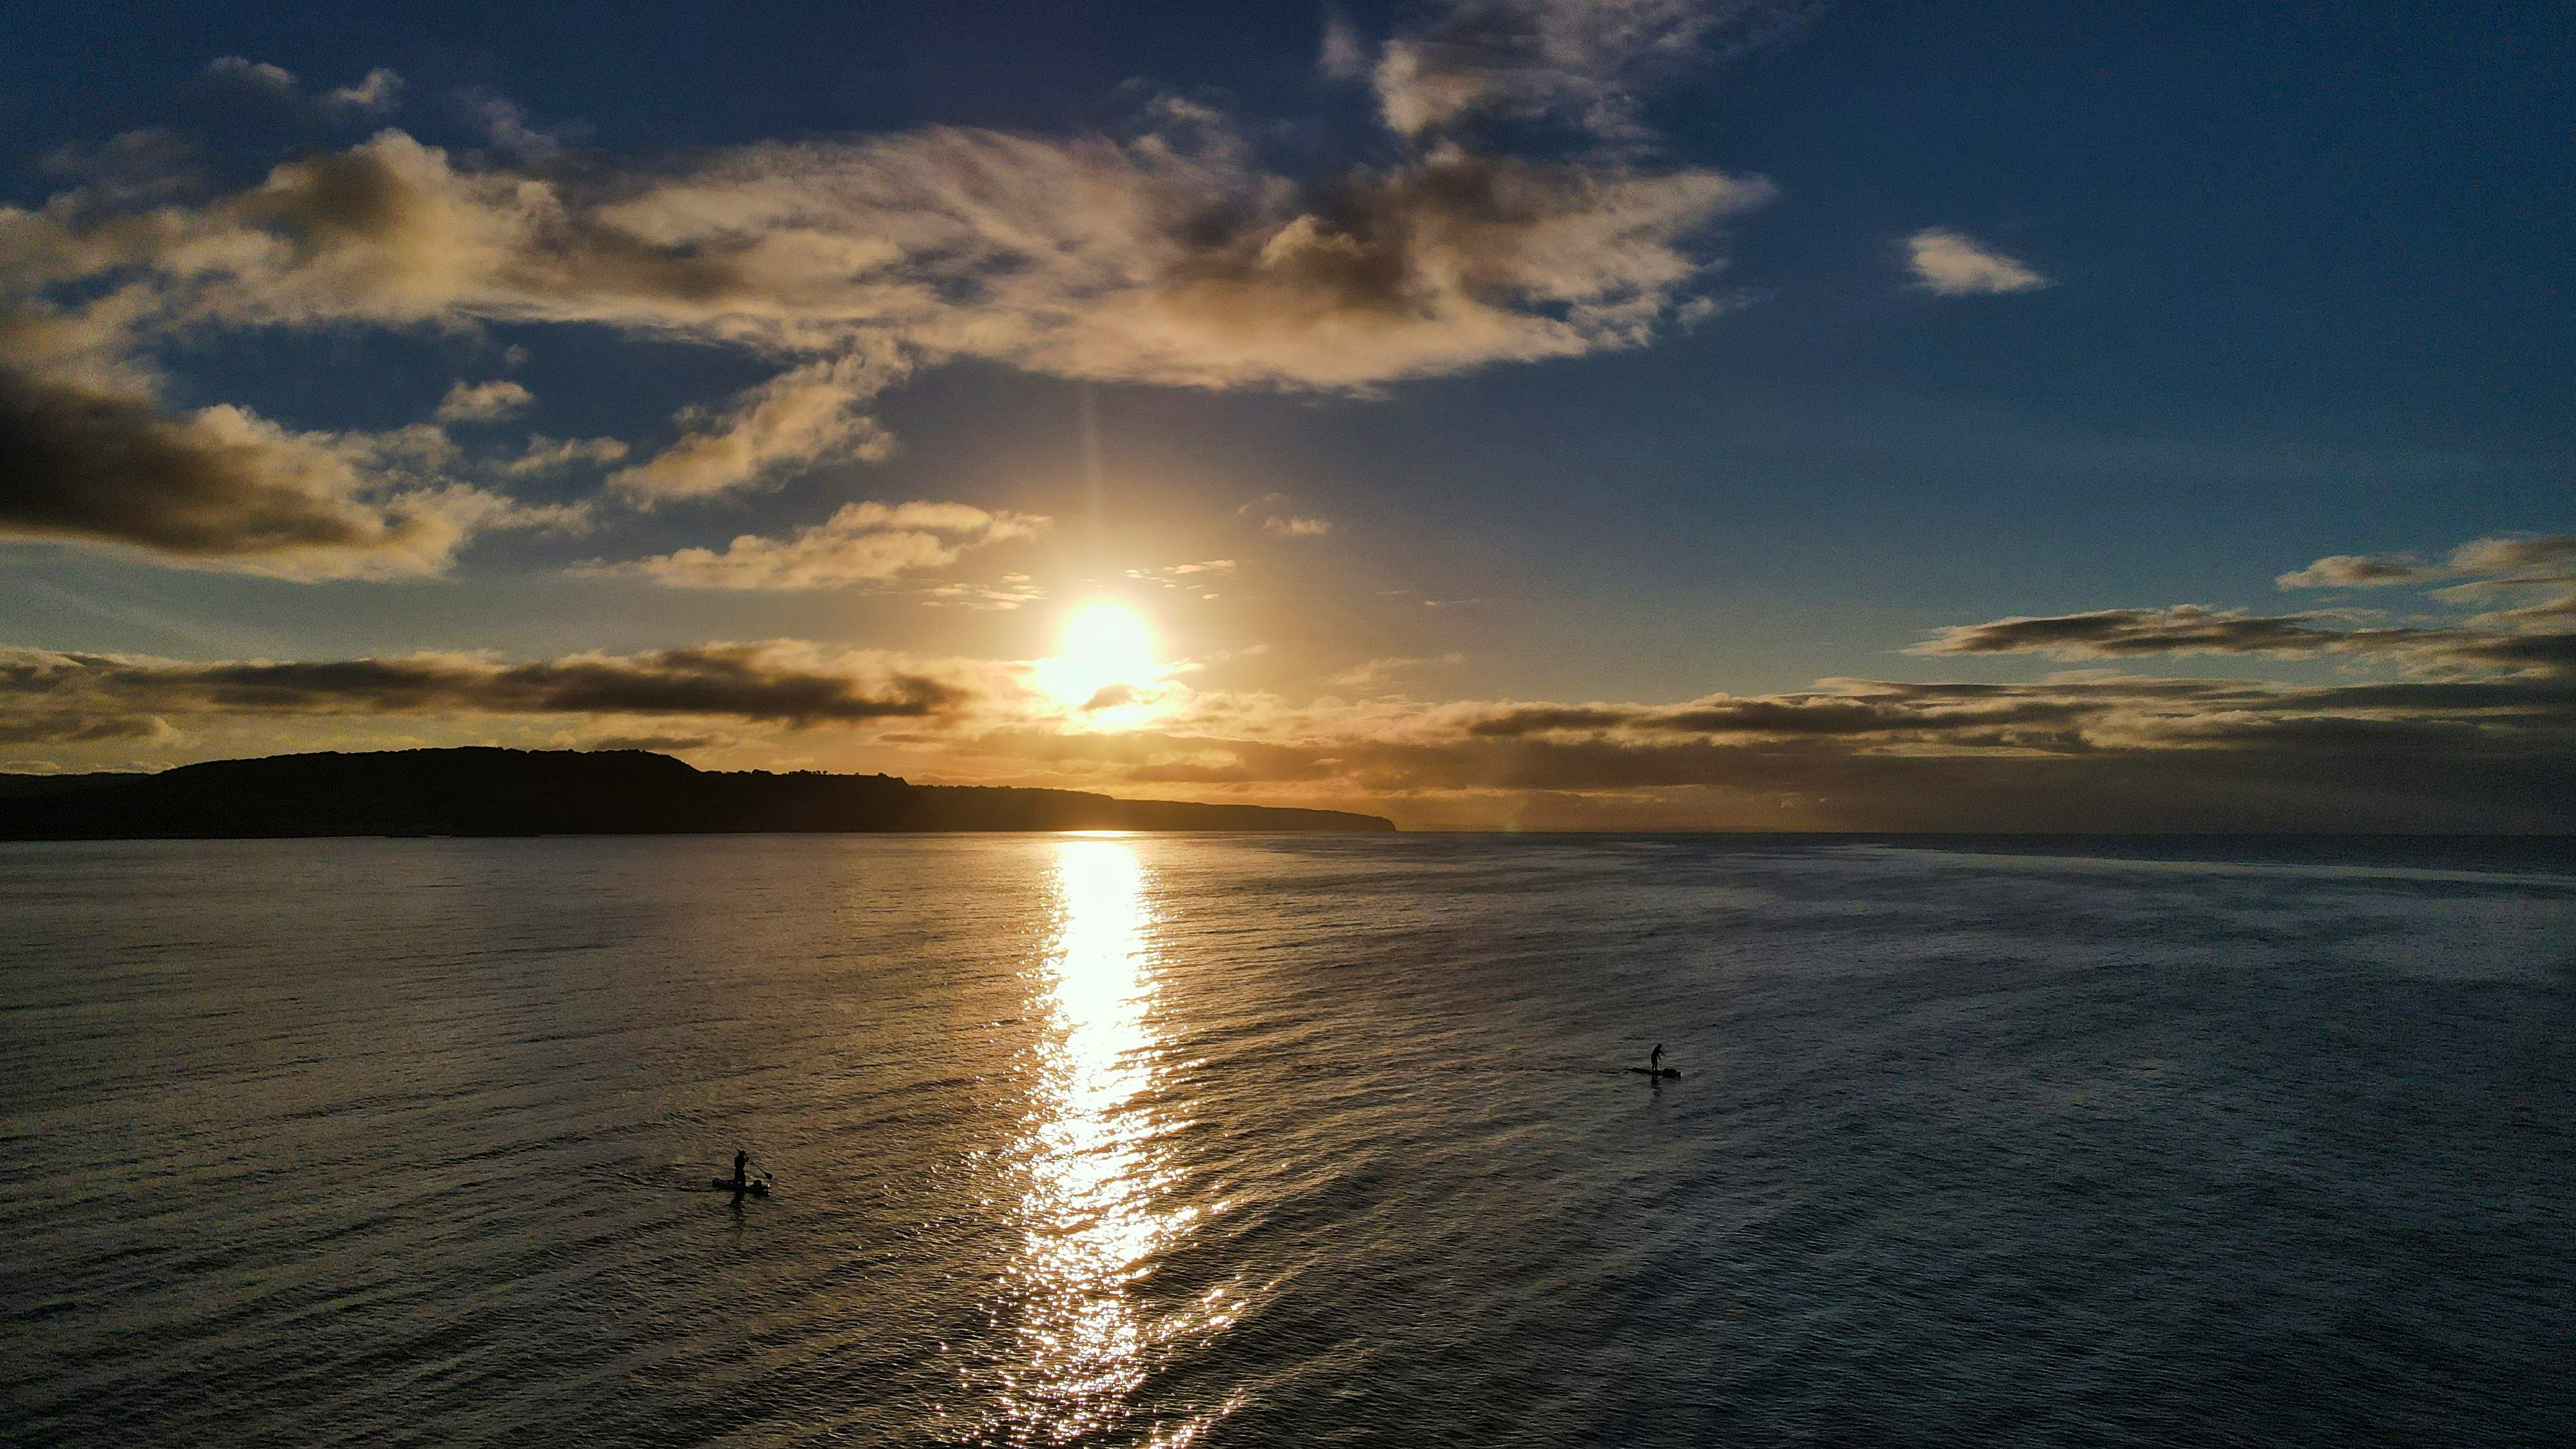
(1267,1141)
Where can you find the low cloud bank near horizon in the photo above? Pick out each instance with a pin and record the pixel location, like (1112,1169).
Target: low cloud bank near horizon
(2107,754)
(2466,725)
(785,683)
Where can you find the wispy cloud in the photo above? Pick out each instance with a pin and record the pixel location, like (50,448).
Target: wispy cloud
(808,416)
(1950,264)
(1011,591)
(2356,571)
(380,91)
(507,126)
(1585,62)
(546,455)
(2538,560)
(481,402)
(863,543)
(1383,670)
(257,75)
(1188,575)
(1293,526)
(374,94)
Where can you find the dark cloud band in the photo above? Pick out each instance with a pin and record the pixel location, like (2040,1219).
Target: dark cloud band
(760,683)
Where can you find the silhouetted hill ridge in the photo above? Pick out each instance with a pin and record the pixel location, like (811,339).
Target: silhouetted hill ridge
(488,791)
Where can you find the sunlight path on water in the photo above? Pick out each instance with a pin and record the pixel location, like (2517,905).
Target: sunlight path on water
(1101,1198)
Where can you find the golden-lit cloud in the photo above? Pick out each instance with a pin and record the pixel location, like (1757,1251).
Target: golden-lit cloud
(1373,672)
(548,455)
(1949,264)
(378,91)
(483,402)
(1168,256)
(811,415)
(2505,561)
(1586,63)
(1011,591)
(862,543)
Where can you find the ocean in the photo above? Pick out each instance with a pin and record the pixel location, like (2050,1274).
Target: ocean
(1276,1140)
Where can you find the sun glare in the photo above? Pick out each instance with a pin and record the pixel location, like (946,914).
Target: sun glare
(1106,659)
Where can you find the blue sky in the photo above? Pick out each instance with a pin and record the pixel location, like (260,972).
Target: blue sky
(1617,353)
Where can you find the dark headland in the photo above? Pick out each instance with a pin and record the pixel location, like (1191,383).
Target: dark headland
(484,791)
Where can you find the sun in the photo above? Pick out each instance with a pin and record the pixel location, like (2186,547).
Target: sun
(1107,659)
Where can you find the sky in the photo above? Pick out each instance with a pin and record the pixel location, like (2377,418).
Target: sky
(1531,414)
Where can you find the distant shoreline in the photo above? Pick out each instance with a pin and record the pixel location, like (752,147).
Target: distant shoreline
(499,793)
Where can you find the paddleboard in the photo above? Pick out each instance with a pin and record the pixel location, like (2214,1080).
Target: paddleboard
(756,1189)
(1667,1073)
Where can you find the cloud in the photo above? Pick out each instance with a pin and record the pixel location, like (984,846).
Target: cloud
(506,125)
(1011,592)
(255,75)
(2357,571)
(862,543)
(144,167)
(2183,629)
(222,488)
(378,92)
(1295,527)
(2535,573)
(2487,563)
(481,402)
(2089,754)
(2551,557)
(1188,575)
(1584,62)
(658,744)
(2191,629)
(1379,671)
(1344,54)
(1170,257)
(1168,254)
(2477,733)
(805,417)
(781,682)
(546,455)
(2478,736)
(1951,265)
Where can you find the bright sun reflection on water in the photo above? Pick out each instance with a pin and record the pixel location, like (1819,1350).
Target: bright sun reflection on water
(1098,1204)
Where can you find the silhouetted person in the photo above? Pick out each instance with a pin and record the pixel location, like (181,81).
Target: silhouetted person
(1654,1060)
(741,1160)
